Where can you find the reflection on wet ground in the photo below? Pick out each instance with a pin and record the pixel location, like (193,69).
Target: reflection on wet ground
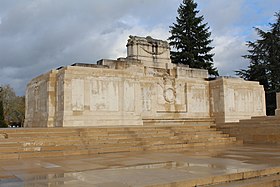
(138,168)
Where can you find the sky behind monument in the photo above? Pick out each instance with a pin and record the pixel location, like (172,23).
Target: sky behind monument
(39,35)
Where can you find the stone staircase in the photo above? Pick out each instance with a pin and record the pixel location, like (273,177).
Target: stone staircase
(50,142)
(257,130)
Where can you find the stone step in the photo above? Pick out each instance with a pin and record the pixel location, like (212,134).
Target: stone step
(29,133)
(99,143)
(111,135)
(102,150)
(184,121)
(199,133)
(119,135)
(255,121)
(106,148)
(42,146)
(74,144)
(109,128)
(9,143)
(110,139)
(261,181)
(124,136)
(171,146)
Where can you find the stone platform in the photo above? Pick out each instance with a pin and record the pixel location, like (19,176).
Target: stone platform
(216,166)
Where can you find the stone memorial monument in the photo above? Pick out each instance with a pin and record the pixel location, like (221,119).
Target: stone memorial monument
(144,85)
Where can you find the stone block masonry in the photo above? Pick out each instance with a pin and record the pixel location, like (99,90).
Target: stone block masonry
(144,85)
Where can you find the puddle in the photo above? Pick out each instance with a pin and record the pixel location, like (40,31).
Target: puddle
(165,165)
(237,156)
(10,180)
(230,170)
(48,165)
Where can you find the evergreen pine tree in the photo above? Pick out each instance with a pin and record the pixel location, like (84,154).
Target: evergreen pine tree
(264,56)
(190,38)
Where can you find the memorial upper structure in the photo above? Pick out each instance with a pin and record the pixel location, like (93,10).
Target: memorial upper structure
(144,85)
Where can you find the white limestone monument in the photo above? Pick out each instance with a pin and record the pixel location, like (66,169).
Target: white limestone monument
(144,85)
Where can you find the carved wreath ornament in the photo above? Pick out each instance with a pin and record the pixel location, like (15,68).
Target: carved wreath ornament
(169,95)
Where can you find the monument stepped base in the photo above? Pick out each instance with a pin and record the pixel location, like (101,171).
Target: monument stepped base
(54,142)
(257,130)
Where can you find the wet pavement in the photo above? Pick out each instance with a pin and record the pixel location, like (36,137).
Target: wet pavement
(142,168)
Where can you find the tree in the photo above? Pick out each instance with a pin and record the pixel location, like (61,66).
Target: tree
(13,106)
(264,58)
(2,121)
(191,39)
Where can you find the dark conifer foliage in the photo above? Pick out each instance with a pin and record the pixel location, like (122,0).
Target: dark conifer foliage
(264,57)
(190,39)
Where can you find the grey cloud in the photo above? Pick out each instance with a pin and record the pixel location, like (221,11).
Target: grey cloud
(36,36)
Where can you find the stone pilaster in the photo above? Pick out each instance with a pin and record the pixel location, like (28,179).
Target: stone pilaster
(277,111)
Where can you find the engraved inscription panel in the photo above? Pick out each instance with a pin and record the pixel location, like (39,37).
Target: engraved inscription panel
(104,95)
(77,94)
(146,99)
(129,97)
(197,99)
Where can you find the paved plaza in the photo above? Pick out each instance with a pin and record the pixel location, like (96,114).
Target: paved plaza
(197,166)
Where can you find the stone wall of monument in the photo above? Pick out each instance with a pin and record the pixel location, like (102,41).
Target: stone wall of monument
(94,97)
(40,101)
(82,96)
(102,96)
(145,85)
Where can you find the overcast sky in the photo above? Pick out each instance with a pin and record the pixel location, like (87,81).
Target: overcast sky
(39,35)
